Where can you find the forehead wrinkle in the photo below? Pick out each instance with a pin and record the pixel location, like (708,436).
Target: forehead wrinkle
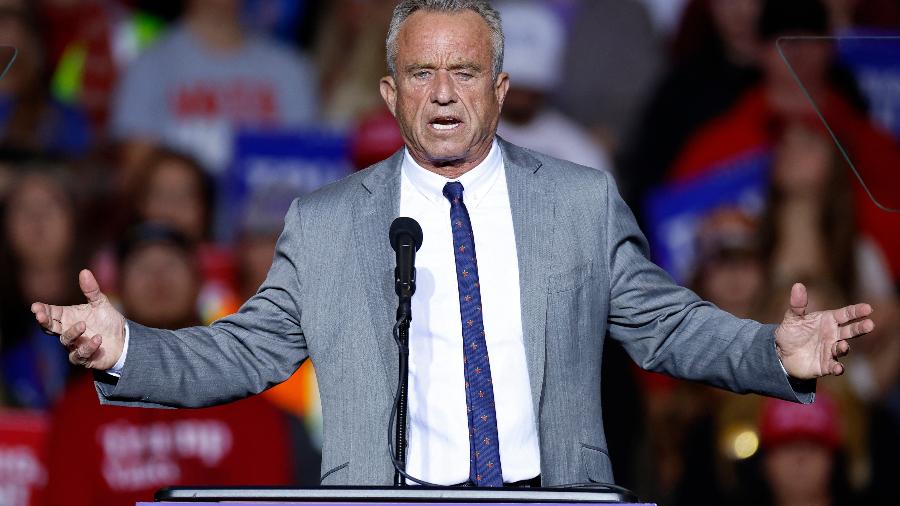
(454,40)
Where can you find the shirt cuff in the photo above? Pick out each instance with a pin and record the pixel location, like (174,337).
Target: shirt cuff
(773,344)
(116,370)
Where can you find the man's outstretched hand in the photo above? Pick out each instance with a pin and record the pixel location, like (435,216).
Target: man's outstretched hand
(810,344)
(93,333)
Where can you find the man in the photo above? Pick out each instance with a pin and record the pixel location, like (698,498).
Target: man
(560,262)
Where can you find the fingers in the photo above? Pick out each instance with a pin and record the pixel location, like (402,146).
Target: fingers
(48,317)
(837,368)
(83,353)
(840,349)
(856,329)
(850,313)
(72,334)
(89,286)
(42,314)
(799,299)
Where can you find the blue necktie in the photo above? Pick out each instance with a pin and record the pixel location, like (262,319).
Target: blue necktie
(484,460)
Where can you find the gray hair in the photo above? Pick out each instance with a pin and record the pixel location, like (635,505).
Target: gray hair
(481,7)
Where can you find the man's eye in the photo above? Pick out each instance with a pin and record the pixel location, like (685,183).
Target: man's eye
(464,76)
(422,74)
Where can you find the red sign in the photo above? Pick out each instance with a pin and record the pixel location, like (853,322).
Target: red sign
(23,473)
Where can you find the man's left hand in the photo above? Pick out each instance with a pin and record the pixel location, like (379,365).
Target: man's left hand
(810,344)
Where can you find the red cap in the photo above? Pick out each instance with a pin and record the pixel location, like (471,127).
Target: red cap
(375,138)
(783,421)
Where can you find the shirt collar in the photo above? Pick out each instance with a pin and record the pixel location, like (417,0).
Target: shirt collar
(477,182)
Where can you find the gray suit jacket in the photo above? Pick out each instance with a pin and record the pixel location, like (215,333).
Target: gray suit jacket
(329,296)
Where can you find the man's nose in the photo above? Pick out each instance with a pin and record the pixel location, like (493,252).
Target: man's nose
(444,90)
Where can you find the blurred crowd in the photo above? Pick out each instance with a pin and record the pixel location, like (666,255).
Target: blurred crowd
(160,143)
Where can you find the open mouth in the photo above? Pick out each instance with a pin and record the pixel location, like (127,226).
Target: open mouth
(444,123)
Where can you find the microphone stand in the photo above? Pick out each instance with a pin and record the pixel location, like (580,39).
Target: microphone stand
(406,237)
(403,319)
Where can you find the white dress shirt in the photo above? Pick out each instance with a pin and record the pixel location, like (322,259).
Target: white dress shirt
(438,449)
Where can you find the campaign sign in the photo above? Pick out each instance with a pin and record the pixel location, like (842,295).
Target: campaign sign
(23,474)
(873,56)
(675,211)
(270,169)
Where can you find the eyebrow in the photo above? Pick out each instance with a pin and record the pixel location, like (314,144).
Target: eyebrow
(456,66)
(465,66)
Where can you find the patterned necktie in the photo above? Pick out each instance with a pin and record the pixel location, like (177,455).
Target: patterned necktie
(484,445)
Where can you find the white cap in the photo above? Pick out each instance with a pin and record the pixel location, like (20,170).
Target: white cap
(535,40)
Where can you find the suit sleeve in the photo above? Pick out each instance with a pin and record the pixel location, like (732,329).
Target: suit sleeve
(669,329)
(243,354)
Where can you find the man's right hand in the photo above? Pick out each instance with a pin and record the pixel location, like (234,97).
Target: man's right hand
(93,333)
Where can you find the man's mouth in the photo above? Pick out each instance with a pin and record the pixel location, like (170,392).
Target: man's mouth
(443,123)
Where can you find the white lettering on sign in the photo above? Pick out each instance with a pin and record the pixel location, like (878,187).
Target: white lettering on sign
(20,472)
(137,457)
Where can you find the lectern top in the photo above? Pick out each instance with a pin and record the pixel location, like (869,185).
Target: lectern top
(334,496)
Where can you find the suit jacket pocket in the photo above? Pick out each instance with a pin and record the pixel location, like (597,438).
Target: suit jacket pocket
(571,279)
(595,464)
(336,475)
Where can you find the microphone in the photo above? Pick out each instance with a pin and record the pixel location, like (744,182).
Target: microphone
(406,238)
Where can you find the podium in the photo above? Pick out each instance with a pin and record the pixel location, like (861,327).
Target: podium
(419,496)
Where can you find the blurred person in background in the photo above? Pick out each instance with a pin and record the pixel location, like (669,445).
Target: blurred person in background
(811,192)
(729,270)
(201,82)
(715,60)
(30,118)
(38,253)
(611,62)
(754,123)
(159,277)
(128,454)
(801,460)
(350,57)
(11,161)
(173,189)
(534,46)
(89,44)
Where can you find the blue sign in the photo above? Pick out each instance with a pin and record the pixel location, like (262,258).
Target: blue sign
(675,212)
(270,169)
(875,62)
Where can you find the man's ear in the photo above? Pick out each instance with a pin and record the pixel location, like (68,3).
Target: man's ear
(501,87)
(388,88)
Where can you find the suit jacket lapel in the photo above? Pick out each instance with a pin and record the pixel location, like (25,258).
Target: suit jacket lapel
(533,217)
(373,214)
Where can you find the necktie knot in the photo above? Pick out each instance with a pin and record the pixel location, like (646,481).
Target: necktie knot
(454,192)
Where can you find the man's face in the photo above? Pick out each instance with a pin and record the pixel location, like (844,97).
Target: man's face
(444,96)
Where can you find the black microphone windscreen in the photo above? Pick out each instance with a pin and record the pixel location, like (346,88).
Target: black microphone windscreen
(405,226)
